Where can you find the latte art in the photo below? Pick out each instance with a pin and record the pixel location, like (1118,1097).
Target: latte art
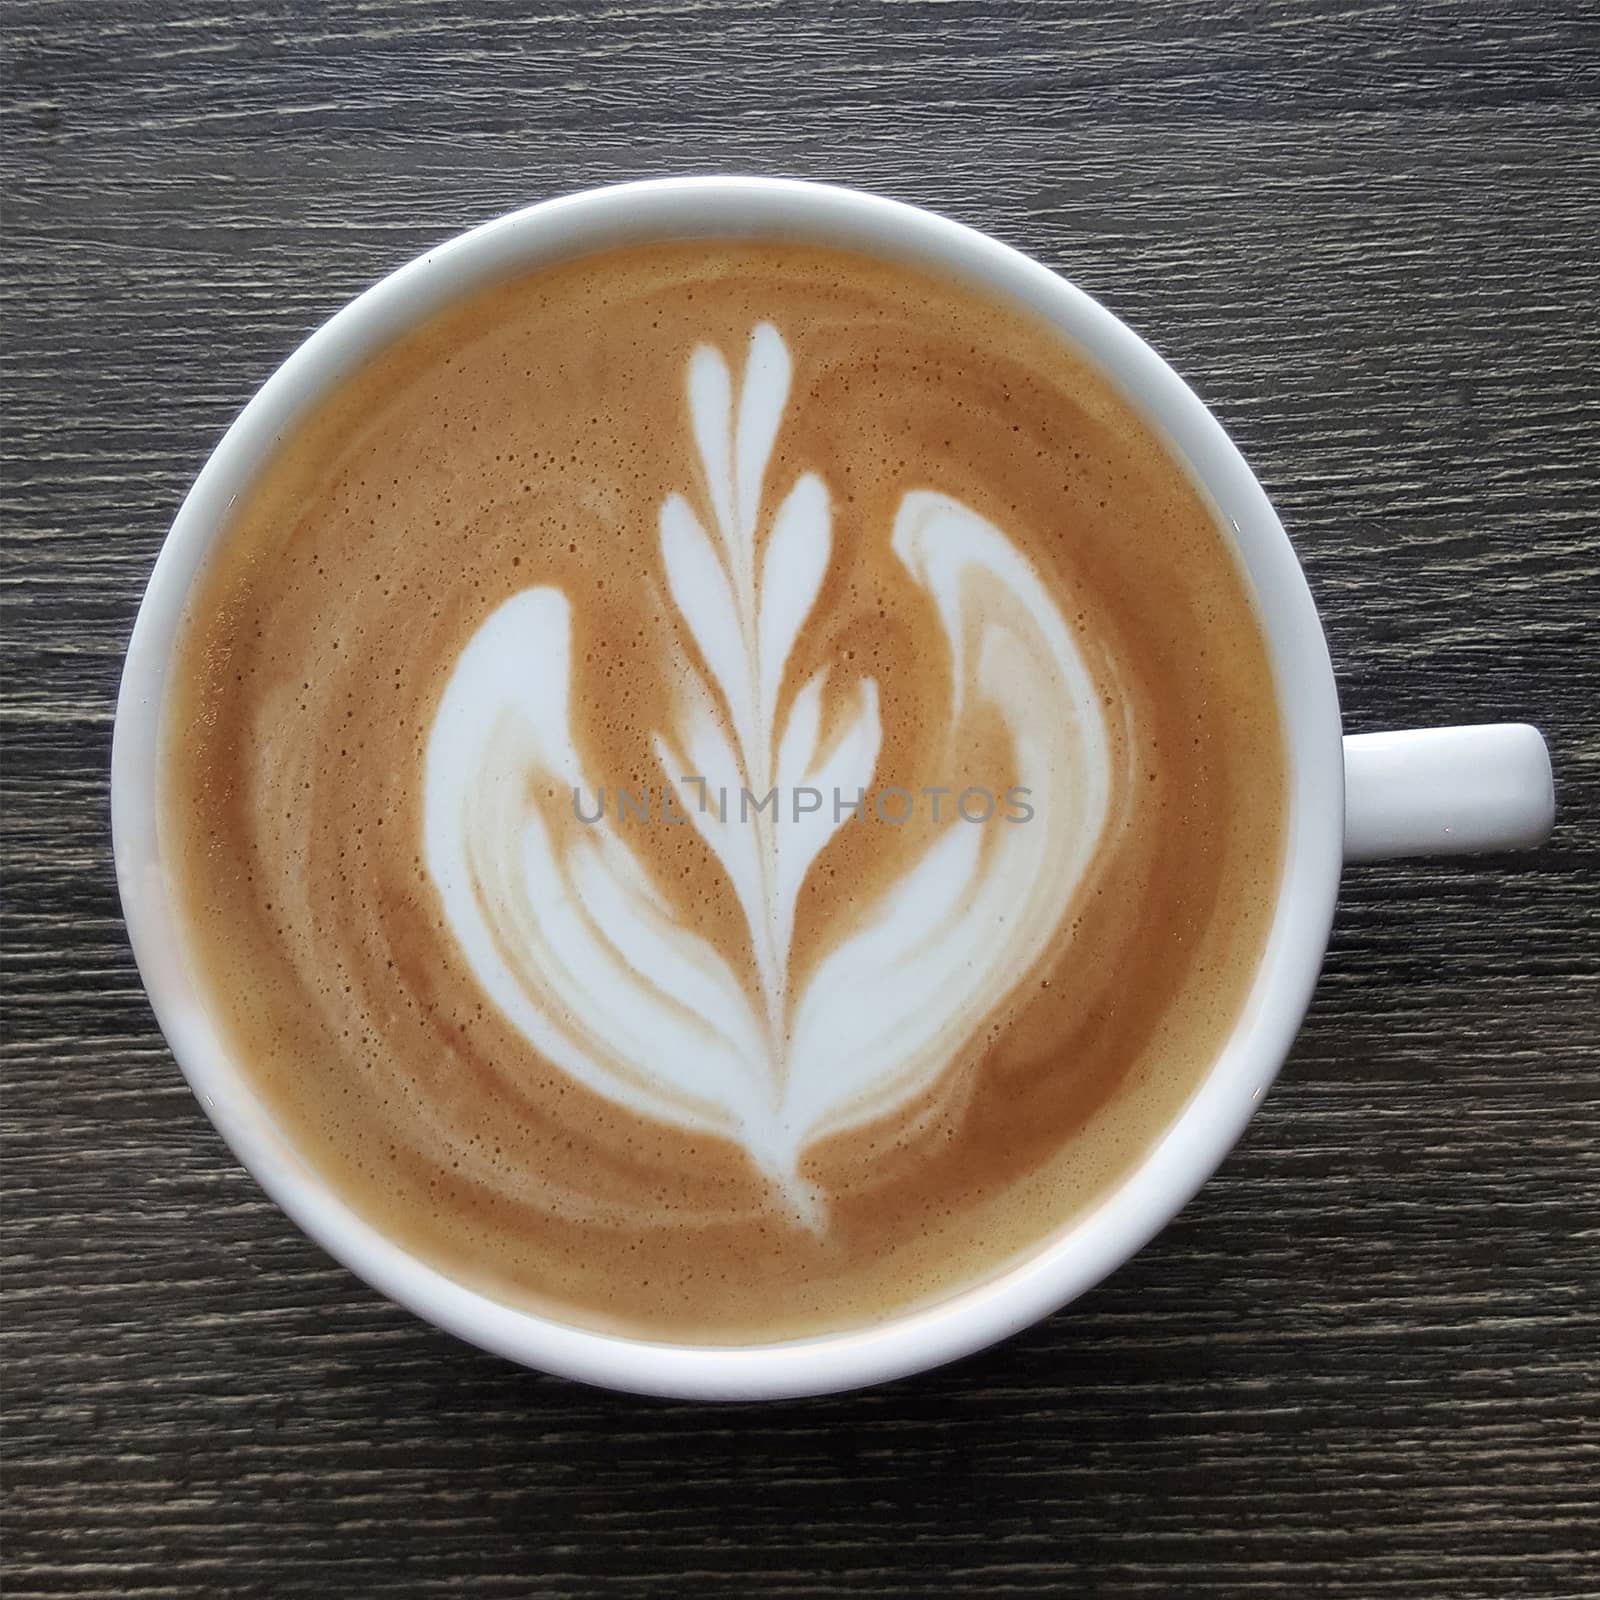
(722,791)
(571,936)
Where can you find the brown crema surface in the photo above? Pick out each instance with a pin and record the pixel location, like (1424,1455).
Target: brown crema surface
(528,436)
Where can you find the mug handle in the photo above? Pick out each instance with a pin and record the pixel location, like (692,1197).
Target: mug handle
(1446,791)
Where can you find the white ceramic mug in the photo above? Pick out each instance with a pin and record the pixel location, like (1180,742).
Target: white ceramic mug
(1434,791)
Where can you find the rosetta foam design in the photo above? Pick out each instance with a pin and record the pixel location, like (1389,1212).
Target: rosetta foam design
(573,940)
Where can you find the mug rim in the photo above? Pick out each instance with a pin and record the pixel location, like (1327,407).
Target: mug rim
(1089,1245)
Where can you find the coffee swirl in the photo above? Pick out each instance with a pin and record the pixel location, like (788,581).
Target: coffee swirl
(712,528)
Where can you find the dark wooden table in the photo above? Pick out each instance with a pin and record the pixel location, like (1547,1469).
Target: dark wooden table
(1363,1363)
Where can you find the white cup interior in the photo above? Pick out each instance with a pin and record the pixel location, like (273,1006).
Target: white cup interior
(1091,1244)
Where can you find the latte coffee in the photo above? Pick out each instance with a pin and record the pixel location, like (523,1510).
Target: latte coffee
(723,791)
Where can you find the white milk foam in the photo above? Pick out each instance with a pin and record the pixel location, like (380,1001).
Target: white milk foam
(568,933)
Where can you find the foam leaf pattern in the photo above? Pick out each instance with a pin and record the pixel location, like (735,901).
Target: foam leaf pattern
(791,579)
(889,1009)
(589,957)
(542,926)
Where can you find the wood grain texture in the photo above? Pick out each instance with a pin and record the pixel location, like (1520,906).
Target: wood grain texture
(1363,1363)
